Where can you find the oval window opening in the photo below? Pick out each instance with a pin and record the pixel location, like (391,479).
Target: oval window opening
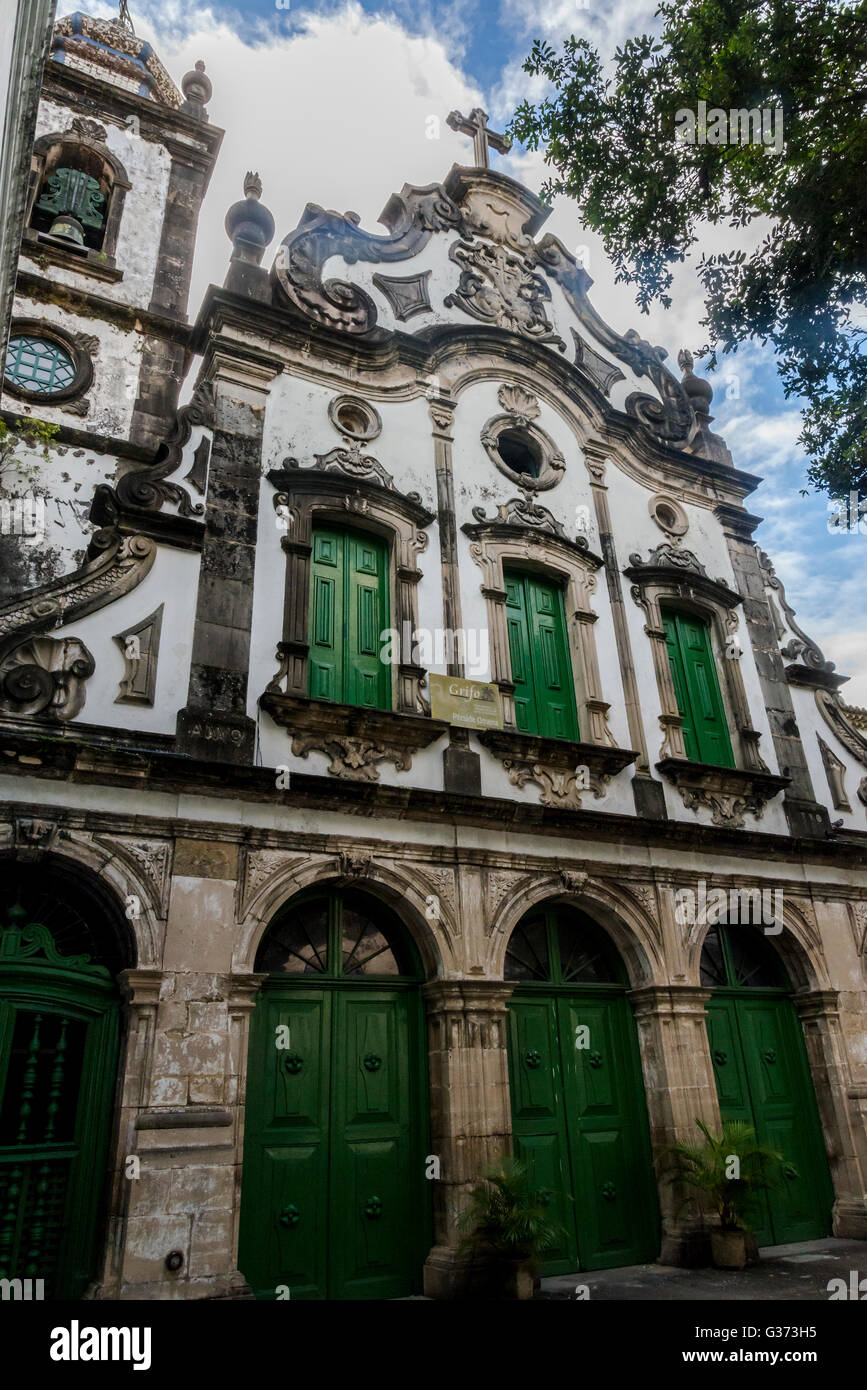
(520,453)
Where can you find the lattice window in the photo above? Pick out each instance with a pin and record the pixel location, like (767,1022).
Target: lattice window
(35,364)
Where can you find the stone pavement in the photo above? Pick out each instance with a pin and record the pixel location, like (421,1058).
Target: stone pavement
(800,1271)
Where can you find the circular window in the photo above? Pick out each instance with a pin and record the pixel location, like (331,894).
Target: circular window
(523,451)
(352,416)
(668,515)
(45,364)
(37,365)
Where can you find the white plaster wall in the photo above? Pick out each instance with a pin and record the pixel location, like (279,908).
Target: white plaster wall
(812,727)
(173,581)
(148,165)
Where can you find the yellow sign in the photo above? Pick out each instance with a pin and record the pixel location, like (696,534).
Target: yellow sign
(466,704)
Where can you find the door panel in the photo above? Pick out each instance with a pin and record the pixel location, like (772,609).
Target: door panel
(785,1116)
(538,1117)
(333,1183)
(579,1119)
(604,1101)
(541,667)
(760,1037)
(705,729)
(348,612)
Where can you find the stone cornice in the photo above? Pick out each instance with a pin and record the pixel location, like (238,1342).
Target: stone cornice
(86,755)
(304,342)
(187,138)
(88,304)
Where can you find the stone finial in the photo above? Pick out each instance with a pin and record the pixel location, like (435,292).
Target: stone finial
(699,391)
(197,89)
(249,225)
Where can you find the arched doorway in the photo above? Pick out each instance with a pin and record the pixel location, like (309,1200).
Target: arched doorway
(335,1203)
(763,1077)
(59,1030)
(579,1115)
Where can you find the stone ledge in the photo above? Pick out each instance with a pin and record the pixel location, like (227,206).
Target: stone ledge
(553,764)
(354,738)
(728,792)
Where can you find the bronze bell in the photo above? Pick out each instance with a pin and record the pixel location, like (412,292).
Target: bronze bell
(67,228)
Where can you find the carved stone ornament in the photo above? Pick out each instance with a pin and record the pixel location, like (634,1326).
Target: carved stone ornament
(351,462)
(835,771)
(88,130)
(148,489)
(32,837)
(574,880)
(525,512)
(355,740)
(115,565)
(140,646)
(262,865)
(728,793)
(862,791)
(353,864)
(600,371)
(521,405)
(563,770)
(45,675)
(151,859)
(807,660)
(550,463)
(407,294)
(497,287)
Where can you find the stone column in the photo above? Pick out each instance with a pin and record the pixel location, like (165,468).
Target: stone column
(680,1088)
(647,791)
(462,770)
(215,724)
(471,1123)
(845,1141)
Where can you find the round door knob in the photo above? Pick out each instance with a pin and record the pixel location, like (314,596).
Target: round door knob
(372,1062)
(290,1216)
(769,1054)
(609,1191)
(720,1057)
(373,1208)
(532,1060)
(292,1062)
(595,1059)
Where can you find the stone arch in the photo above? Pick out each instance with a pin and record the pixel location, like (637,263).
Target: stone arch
(83,147)
(107,884)
(615,912)
(796,945)
(404,895)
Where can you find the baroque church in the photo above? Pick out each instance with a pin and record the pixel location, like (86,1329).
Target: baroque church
(302,928)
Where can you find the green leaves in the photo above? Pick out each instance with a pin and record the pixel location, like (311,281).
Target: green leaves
(707,1169)
(507,1216)
(610,144)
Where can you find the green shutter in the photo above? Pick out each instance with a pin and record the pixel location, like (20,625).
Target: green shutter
(541,668)
(348,612)
(705,732)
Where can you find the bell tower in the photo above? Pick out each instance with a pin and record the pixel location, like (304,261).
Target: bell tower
(120,165)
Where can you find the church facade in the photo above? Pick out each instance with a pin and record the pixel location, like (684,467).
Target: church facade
(409,757)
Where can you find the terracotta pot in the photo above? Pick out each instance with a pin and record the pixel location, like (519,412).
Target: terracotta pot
(733,1249)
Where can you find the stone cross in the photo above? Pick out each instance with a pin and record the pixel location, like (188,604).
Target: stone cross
(476,125)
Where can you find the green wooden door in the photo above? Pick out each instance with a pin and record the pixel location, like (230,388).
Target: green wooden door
(58,1062)
(334,1201)
(763,1078)
(705,732)
(579,1116)
(541,669)
(348,612)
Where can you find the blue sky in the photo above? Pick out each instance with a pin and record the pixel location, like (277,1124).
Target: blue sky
(330,103)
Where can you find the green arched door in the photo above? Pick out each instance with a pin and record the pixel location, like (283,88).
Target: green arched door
(58,1063)
(334,1201)
(763,1078)
(579,1116)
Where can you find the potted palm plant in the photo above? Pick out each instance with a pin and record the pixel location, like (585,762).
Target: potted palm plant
(716,1179)
(508,1227)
